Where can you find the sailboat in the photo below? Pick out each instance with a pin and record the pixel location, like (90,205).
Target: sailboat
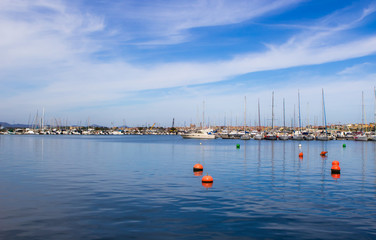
(246,136)
(298,135)
(271,135)
(362,136)
(373,136)
(259,135)
(323,136)
(284,135)
(200,133)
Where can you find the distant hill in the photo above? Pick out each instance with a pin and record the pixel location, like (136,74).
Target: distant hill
(19,125)
(16,125)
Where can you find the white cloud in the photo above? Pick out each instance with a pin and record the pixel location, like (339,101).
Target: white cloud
(53,50)
(168,22)
(356,69)
(34,33)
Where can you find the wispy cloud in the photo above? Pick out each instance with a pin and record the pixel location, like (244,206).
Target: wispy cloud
(36,33)
(169,22)
(356,69)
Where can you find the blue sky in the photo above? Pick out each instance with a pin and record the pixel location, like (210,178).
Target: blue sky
(151,61)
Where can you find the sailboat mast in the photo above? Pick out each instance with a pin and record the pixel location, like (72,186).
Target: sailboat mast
(300,120)
(43,119)
(308,114)
(374,113)
(203,114)
(323,110)
(284,114)
(362,110)
(245,112)
(259,119)
(272,110)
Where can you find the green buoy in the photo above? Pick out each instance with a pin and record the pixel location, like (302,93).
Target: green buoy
(344,145)
(237,146)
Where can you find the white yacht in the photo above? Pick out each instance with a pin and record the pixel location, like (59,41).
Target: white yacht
(200,134)
(259,136)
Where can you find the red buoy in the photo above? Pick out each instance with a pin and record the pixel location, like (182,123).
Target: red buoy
(335,162)
(207,179)
(323,153)
(198,168)
(336,169)
(301,154)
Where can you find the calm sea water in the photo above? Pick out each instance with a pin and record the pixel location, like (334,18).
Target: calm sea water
(143,187)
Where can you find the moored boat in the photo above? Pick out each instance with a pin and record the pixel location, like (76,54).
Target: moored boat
(270,136)
(283,136)
(200,134)
(361,137)
(259,136)
(322,137)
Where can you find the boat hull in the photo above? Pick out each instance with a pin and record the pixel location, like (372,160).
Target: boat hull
(198,136)
(361,138)
(283,137)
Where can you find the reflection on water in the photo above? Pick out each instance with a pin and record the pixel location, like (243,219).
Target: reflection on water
(142,187)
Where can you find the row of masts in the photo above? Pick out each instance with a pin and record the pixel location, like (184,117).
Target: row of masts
(324,121)
(39,121)
(284,111)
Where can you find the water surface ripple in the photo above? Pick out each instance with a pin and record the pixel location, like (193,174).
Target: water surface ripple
(143,187)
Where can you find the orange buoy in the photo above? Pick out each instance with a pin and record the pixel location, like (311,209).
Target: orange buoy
(301,154)
(207,179)
(335,162)
(323,153)
(207,185)
(336,176)
(198,173)
(336,169)
(198,168)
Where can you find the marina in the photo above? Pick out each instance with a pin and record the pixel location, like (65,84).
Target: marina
(187,120)
(336,132)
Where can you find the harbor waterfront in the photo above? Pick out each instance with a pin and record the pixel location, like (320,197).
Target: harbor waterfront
(358,132)
(143,187)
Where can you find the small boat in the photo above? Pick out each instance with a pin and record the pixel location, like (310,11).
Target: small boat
(283,136)
(270,136)
(200,134)
(322,137)
(297,136)
(231,135)
(245,137)
(259,136)
(361,137)
(309,137)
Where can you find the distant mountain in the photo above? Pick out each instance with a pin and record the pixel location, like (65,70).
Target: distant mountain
(19,125)
(16,125)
